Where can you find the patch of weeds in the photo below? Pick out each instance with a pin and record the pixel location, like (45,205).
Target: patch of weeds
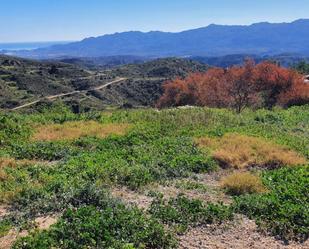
(154,194)
(5,227)
(132,162)
(191,185)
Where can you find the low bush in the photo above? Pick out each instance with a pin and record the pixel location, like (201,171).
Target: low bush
(242,183)
(48,151)
(184,212)
(111,225)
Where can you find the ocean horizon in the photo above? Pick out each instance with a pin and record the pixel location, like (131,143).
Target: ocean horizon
(15,46)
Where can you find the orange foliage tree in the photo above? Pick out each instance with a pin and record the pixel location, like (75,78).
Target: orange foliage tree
(241,86)
(262,85)
(280,86)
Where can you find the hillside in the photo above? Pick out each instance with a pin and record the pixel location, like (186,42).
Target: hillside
(99,63)
(213,40)
(23,81)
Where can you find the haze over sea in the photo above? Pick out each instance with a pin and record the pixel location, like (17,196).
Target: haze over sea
(14,46)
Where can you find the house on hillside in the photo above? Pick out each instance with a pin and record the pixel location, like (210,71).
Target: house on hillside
(307,79)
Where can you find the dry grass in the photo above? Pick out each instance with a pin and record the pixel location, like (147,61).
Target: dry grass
(13,163)
(242,183)
(73,130)
(240,151)
(7,162)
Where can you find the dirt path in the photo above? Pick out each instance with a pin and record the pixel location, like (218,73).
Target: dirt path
(69,93)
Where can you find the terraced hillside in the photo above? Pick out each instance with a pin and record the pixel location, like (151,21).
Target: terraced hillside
(175,178)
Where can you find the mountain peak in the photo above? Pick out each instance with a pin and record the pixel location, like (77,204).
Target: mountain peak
(301,21)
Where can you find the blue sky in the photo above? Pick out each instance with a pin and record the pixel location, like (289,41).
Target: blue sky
(51,20)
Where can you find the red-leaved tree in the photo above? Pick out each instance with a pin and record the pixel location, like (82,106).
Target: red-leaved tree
(250,85)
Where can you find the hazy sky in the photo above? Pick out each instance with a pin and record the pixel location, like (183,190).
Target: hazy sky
(54,20)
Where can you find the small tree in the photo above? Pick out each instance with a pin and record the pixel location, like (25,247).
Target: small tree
(273,80)
(241,86)
(212,88)
(177,93)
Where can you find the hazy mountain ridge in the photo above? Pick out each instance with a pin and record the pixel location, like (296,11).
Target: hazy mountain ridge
(213,40)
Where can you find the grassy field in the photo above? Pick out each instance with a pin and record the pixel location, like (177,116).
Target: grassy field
(140,178)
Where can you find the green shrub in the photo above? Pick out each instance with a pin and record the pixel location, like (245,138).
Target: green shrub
(49,151)
(135,162)
(284,209)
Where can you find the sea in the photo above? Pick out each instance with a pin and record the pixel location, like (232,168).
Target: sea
(29,45)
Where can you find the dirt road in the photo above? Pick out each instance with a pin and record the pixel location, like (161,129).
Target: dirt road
(69,93)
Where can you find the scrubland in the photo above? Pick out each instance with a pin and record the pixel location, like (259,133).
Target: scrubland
(174,170)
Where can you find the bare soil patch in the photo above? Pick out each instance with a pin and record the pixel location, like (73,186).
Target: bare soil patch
(239,234)
(131,197)
(4,210)
(41,223)
(8,240)
(45,222)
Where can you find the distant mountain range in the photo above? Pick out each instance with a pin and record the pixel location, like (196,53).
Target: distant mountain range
(213,40)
